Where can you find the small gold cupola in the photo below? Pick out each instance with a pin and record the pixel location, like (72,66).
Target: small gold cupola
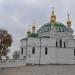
(53,16)
(33,27)
(68,22)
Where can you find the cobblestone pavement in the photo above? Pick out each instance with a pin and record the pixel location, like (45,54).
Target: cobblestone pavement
(40,70)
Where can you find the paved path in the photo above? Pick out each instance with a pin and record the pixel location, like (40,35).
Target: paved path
(40,70)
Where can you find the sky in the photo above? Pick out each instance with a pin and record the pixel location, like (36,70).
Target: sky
(17,16)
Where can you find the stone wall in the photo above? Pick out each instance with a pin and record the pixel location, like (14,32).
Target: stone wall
(11,63)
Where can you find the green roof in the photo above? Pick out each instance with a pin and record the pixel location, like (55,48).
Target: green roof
(33,35)
(57,25)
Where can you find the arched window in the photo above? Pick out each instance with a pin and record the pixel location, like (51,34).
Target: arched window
(33,50)
(24,57)
(59,29)
(48,29)
(56,44)
(22,51)
(64,44)
(0,46)
(60,42)
(46,50)
(74,52)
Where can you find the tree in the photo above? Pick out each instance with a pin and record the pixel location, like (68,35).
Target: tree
(16,55)
(5,42)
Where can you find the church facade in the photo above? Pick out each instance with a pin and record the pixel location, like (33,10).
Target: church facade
(53,43)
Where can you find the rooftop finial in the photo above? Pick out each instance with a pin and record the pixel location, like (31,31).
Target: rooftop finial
(29,29)
(33,23)
(68,16)
(53,16)
(33,27)
(68,21)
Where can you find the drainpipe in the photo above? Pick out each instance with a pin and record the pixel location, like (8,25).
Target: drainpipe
(40,52)
(26,47)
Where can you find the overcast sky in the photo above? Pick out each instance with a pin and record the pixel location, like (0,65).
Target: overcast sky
(17,15)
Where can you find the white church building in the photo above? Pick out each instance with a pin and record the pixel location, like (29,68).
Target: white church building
(52,43)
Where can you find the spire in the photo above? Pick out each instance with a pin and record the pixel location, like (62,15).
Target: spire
(68,22)
(28,31)
(53,16)
(68,18)
(53,13)
(33,27)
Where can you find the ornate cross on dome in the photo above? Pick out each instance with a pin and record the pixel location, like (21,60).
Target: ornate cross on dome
(53,16)
(68,22)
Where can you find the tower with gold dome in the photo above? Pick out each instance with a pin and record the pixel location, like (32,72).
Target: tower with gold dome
(52,43)
(68,22)
(33,33)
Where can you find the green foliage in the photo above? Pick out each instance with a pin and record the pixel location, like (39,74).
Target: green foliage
(5,42)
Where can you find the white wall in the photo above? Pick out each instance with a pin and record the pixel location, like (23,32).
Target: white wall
(33,58)
(55,55)
(23,45)
(64,55)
